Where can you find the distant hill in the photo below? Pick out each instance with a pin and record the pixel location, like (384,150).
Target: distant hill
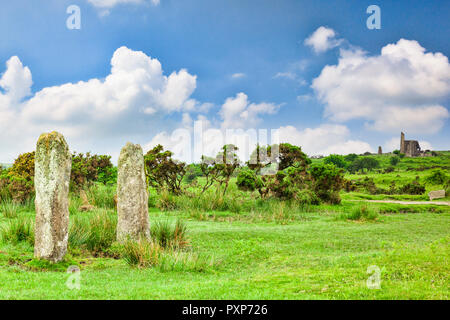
(5,165)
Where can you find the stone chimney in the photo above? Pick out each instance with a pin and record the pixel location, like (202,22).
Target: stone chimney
(402,143)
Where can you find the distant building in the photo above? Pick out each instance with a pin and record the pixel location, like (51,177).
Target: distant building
(380,151)
(410,148)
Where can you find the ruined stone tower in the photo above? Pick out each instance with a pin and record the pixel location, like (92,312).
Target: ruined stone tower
(410,148)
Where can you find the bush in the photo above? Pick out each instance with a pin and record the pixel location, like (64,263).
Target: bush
(327,182)
(18,181)
(337,160)
(414,188)
(364,163)
(394,160)
(308,197)
(87,168)
(248,180)
(437,177)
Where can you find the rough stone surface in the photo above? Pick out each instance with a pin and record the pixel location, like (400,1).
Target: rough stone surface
(438,194)
(132,197)
(53,163)
(410,148)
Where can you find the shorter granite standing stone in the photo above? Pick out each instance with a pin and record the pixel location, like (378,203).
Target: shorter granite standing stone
(53,163)
(132,196)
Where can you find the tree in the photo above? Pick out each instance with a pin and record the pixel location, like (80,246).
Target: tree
(337,160)
(292,156)
(226,162)
(351,157)
(162,171)
(362,163)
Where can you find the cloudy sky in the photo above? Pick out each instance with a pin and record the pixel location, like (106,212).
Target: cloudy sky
(155,71)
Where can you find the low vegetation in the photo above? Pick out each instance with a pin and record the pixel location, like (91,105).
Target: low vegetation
(281,226)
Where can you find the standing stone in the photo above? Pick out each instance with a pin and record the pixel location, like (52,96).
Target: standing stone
(380,151)
(132,197)
(53,162)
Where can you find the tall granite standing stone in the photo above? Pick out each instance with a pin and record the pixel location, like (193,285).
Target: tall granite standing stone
(53,162)
(132,197)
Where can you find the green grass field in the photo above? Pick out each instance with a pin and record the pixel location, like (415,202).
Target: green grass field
(243,248)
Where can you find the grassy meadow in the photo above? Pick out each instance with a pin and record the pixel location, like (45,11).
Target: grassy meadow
(237,246)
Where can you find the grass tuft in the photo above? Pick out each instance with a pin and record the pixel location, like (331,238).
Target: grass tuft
(9,208)
(360,213)
(18,230)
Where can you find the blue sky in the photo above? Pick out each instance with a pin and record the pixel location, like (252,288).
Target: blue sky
(252,47)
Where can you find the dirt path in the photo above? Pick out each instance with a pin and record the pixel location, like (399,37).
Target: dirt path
(442,203)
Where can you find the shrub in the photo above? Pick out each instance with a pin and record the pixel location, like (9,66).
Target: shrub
(351,157)
(87,168)
(248,180)
(308,197)
(437,177)
(327,182)
(414,188)
(337,160)
(394,160)
(18,182)
(168,236)
(363,163)
(18,230)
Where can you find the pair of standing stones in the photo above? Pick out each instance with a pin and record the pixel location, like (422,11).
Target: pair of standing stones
(53,163)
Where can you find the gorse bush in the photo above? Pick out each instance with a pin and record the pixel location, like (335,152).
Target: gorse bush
(18,230)
(87,168)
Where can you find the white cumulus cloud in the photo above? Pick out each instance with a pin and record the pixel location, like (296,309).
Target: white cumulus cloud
(322,39)
(127,103)
(402,89)
(238,112)
(323,140)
